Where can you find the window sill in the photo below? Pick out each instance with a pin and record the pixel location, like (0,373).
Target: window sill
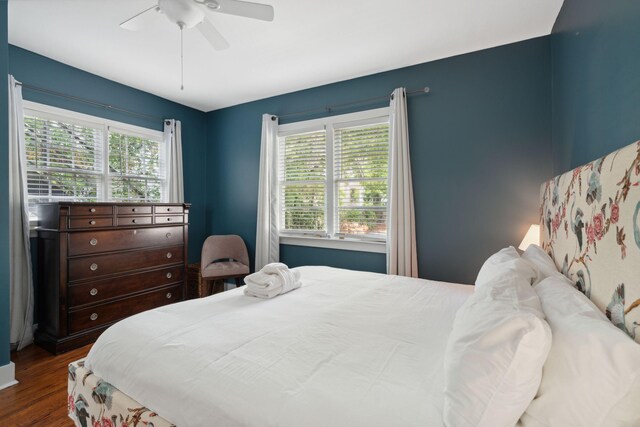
(341,244)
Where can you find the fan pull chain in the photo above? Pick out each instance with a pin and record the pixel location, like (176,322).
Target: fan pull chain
(181,56)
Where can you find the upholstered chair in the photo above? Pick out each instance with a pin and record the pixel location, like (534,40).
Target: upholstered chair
(223,257)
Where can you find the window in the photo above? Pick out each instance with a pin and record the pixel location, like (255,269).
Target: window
(303,182)
(74,157)
(333,177)
(64,160)
(135,167)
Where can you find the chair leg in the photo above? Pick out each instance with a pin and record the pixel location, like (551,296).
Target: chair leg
(218,286)
(203,288)
(239,281)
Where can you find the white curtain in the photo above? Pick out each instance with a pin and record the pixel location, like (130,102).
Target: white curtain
(20,275)
(267,238)
(173,141)
(402,257)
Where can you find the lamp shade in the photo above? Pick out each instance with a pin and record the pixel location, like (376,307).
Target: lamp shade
(532,237)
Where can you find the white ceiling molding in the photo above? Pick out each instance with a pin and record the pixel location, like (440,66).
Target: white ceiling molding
(309,43)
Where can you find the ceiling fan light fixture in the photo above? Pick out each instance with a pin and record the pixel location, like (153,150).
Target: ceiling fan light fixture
(211,4)
(181,12)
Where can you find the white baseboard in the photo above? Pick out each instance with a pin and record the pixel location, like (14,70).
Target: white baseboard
(8,375)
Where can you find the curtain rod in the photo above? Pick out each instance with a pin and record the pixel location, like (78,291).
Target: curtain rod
(329,108)
(89,102)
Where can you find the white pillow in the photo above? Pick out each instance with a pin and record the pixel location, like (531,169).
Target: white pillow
(494,356)
(505,261)
(592,374)
(541,261)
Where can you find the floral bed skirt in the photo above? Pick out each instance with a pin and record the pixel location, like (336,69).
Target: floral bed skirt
(93,402)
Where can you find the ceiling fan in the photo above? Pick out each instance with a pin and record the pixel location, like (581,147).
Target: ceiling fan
(192,13)
(188,14)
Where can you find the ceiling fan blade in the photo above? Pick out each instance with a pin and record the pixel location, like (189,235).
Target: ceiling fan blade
(212,35)
(263,12)
(138,21)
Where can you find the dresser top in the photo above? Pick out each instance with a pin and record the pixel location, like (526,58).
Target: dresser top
(77,216)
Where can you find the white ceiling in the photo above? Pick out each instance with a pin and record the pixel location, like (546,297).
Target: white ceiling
(310,42)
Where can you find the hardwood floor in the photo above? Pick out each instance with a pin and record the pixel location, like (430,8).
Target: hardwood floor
(40,397)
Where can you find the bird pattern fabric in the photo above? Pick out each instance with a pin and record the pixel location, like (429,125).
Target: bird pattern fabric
(590,226)
(93,402)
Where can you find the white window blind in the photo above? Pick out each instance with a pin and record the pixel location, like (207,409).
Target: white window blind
(74,157)
(64,160)
(361,168)
(303,171)
(333,176)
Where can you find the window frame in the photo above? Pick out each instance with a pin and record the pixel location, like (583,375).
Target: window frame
(331,239)
(135,132)
(48,112)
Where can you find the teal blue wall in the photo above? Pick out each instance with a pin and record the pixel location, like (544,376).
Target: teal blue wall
(596,79)
(480,142)
(480,148)
(4,190)
(37,70)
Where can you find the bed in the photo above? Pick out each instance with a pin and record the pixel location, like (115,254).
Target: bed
(348,348)
(343,347)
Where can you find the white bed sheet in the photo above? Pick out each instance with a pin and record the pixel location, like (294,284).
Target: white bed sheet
(346,349)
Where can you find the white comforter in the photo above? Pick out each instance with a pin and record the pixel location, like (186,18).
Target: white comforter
(346,349)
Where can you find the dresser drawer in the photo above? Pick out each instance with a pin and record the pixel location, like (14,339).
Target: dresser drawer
(133,210)
(90,222)
(134,220)
(91,242)
(92,317)
(169,210)
(169,219)
(100,290)
(90,210)
(102,265)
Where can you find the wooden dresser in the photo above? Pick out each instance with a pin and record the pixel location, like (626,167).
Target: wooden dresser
(101,262)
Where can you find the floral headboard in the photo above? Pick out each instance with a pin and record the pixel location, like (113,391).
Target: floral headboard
(590,225)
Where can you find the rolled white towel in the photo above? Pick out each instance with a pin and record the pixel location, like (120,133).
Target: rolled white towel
(274,267)
(261,293)
(289,279)
(283,282)
(262,279)
(280,278)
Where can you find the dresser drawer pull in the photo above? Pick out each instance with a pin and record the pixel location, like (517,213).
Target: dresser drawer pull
(92,222)
(169,275)
(168,235)
(93,242)
(133,221)
(94,316)
(133,210)
(94,267)
(169,295)
(168,209)
(92,210)
(93,292)
(169,254)
(168,219)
